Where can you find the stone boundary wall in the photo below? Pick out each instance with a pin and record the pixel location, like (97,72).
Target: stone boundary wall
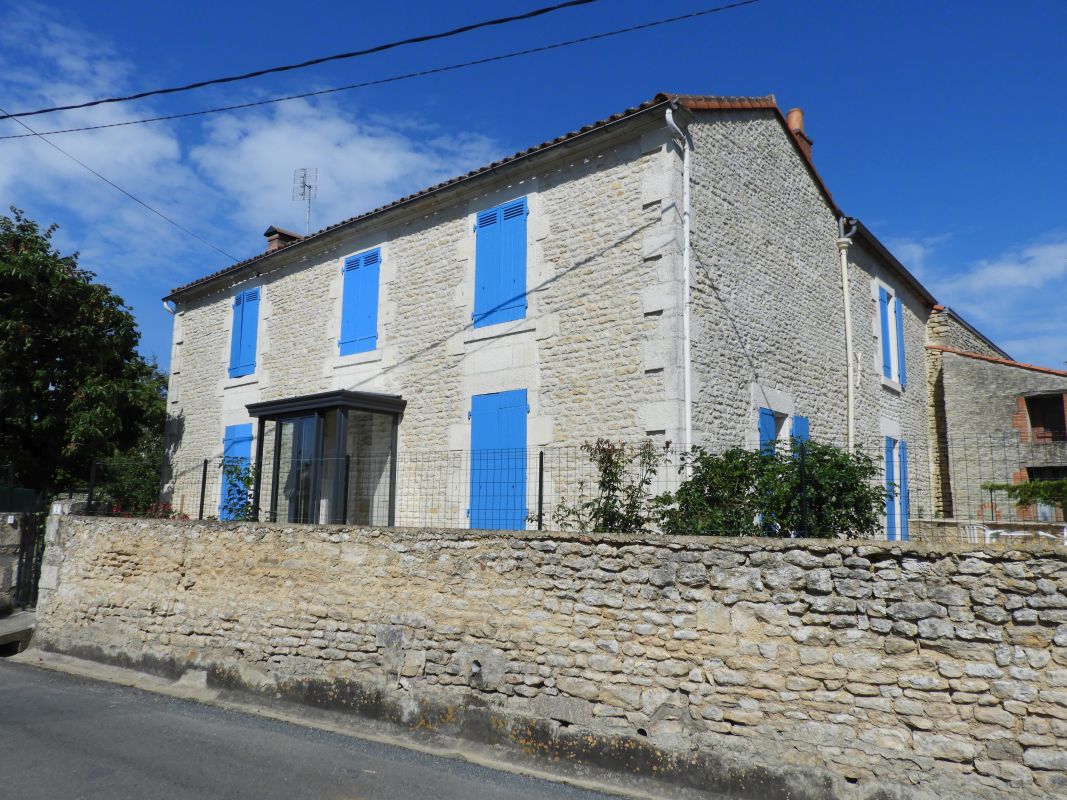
(862,669)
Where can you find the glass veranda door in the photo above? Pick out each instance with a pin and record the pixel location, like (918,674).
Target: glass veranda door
(298,461)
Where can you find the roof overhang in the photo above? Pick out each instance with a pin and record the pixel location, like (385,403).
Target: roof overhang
(328,401)
(870,240)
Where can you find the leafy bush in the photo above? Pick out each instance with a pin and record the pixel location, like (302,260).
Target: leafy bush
(723,495)
(815,490)
(1047,493)
(238,479)
(624,478)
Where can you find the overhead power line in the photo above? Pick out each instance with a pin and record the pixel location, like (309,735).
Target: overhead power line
(429,37)
(405,76)
(114,185)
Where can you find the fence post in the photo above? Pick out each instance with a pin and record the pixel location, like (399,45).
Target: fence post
(92,488)
(540,490)
(803,492)
(344,495)
(203,489)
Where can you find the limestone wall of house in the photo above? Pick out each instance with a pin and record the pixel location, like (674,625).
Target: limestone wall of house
(940,670)
(597,350)
(768,314)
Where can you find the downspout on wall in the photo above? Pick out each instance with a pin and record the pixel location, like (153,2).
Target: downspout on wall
(844,240)
(687,380)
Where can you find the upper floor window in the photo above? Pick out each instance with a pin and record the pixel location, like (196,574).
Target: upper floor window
(359,303)
(243,333)
(1048,419)
(500,264)
(891,333)
(776,428)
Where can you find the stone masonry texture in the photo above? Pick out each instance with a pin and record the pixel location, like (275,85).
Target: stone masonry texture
(895,670)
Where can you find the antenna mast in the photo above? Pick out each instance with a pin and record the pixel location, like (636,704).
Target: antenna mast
(306,187)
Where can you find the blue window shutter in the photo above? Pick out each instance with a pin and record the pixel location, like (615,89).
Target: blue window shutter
(359,303)
(890,492)
(500,264)
(236,448)
(800,429)
(905,499)
(883,312)
(767,431)
(249,329)
(498,460)
(235,337)
(898,307)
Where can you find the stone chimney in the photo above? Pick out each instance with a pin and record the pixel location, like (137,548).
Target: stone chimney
(795,120)
(277,238)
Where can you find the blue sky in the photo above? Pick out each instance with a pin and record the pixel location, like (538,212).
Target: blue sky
(940,124)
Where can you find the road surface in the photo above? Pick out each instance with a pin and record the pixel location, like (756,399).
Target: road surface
(70,737)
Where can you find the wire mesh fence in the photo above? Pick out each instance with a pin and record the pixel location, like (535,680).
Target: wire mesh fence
(548,488)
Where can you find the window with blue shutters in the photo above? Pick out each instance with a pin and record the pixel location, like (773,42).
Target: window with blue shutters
(359,303)
(897,494)
(801,429)
(236,454)
(243,334)
(768,431)
(500,264)
(891,336)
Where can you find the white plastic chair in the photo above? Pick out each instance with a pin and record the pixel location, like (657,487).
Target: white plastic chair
(979,534)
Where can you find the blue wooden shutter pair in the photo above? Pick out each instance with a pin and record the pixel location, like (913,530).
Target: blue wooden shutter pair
(243,335)
(768,431)
(237,451)
(890,490)
(899,308)
(500,264)
(359,303)
(801,432)
(498,460)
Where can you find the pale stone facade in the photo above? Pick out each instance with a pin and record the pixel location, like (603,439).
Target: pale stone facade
(789,668)
(600,350)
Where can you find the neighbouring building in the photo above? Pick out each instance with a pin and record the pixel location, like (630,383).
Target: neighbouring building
(997,421)
(673,271)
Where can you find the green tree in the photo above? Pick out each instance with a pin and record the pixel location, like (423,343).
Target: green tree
(1048,493)
(72,386)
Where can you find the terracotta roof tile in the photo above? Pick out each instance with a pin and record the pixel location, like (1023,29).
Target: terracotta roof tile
(994,360)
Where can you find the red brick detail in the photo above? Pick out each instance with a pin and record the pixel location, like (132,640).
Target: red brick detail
(1020,420)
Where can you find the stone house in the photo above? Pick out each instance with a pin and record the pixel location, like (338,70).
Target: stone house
(673,271)
(994,420)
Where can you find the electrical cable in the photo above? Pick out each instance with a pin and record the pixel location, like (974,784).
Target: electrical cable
(395,78)
(315,61)
(114,185)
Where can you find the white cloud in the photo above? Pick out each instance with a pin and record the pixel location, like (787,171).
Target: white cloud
(361,165)
(227,177)
(1013,297)
(915,252)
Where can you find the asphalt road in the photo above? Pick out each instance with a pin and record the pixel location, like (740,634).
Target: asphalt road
(70,737)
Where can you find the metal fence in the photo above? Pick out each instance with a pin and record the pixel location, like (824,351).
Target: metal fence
(515,489)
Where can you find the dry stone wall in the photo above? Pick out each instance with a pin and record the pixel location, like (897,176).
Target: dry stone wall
(894,670)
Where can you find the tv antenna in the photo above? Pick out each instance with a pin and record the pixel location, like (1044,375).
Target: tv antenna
(305,187)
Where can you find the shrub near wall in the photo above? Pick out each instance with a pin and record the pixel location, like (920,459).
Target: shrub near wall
(942,669)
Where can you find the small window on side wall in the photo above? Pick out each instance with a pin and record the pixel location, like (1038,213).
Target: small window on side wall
(891,335)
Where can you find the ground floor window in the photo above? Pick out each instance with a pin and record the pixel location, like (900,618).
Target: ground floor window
(896,489)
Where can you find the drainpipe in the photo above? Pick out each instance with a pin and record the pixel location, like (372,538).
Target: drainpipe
(686,369)
(844,239)
(169,307)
